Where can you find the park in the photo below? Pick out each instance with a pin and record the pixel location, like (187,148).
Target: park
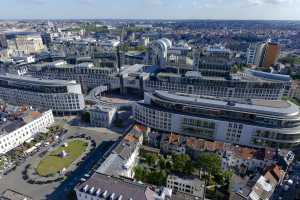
(61,158)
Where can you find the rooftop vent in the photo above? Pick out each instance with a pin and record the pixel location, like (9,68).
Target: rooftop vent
(98,192)
(120,197)
(105,193)
(112,196)
(85,189)
(92,190)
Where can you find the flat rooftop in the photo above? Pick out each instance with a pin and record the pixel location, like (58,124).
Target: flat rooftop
(247,76)
(63,65)
(36,81)
(276,107)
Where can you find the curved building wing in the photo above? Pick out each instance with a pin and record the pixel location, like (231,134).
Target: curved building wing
(258,123)
(63,97)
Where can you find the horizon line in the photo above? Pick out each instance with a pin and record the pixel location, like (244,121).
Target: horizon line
(148,19)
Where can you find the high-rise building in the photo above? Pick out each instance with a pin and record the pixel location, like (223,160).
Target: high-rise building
(252,53)
(46,38)
(270,54)
(263,54)
(3,41)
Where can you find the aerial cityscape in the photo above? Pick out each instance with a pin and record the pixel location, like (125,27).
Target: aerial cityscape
(150,100)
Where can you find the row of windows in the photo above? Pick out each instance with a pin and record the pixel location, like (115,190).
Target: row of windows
(17,137)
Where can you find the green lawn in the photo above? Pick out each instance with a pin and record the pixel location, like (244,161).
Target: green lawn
(53,163)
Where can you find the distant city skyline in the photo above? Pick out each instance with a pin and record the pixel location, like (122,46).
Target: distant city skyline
(151,9)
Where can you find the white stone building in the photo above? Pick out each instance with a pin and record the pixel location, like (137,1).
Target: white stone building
(192,186)
(25,44)
(101,116)
(14,132)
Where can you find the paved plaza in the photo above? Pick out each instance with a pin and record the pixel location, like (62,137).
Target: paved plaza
(104,139)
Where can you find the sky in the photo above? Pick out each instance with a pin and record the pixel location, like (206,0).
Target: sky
(150,9)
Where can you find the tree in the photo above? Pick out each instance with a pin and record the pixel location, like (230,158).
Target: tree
(158,177)
(151,159)
(139,173)
(162,162)
(210,163)
(227,176)
(182,164)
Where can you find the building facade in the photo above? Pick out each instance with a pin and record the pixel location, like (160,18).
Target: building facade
(258,123)
(15,132)
(192,186)
(263,54)
(63,97)
(101,116)
(25,44)
(250,84)
(86,74)
(213,62)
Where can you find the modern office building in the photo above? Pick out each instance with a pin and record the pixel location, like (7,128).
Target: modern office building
(257,123)
(16,128)
(252,53)
(87,74)
(63,97)
(46,38)
(158,52)
(133,57)
(249,84)
(270,54)
(102,116)
(3,41)
(242,85)
(263,54)
(164,53)
(213,61)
